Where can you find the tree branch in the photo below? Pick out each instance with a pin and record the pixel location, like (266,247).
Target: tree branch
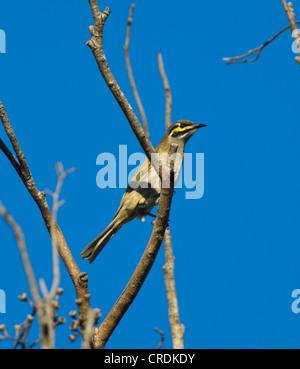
(96,46)
(130,73)
(38,302)
(61,175)
(177,329)
(104,331)
(162,338)
(168,96)
(79,279)
(23,251)
(10,157)
(242,58)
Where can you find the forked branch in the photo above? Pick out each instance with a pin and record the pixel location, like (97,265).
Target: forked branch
(96,45)
(21,166)
(177,329)
(104,331)
(257,51)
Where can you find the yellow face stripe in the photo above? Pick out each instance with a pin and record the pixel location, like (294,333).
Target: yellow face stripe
(179,129)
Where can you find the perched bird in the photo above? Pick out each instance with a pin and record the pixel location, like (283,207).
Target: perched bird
(144,189)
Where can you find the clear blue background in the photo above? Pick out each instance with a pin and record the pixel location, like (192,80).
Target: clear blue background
(237,249)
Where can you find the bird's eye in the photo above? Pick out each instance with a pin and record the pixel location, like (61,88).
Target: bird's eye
(181,125)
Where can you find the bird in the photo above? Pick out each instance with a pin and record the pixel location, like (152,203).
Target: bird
(143,191)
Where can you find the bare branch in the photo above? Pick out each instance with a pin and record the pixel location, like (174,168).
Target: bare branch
(10,157)
(28,270)
(96,46)
(130,73)
(23,251)
(162,337)
(15,144)
(79,279)
(61,174)
(104,331)
(242,58)
(88,333)
(177,328)
(167,88)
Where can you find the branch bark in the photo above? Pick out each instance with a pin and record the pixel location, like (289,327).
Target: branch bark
(168,96)
(23,251)
(130,73)
(177,329)
(20,164)
(33,286)
(96,46)
(104,331)
(242,58)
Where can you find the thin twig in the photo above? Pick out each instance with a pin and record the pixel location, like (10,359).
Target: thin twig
(87,337)
(168,96)
(79,279)
(130,73)
(162,337)
(49,296)
(26,263)
(242,58)
(10,157)
(23,251)
(96,46)
(61,175)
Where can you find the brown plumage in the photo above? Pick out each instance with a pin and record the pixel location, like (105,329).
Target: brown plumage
(140,197)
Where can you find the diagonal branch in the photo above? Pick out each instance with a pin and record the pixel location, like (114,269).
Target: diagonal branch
(61,175)
(162,338)
(130,73)
(96,46)
(79,279)
(167,88)
(23,251)
(38,303)
(242,58)
(15,144)
(10,157)
(104,331)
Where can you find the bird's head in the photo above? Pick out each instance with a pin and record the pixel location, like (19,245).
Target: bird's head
(183,130)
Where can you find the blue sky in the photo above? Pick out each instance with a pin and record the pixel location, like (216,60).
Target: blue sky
(237,248)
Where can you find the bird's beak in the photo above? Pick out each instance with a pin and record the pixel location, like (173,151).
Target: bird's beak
(200,126)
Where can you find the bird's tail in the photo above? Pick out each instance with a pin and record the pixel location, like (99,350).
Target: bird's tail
(93,249)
